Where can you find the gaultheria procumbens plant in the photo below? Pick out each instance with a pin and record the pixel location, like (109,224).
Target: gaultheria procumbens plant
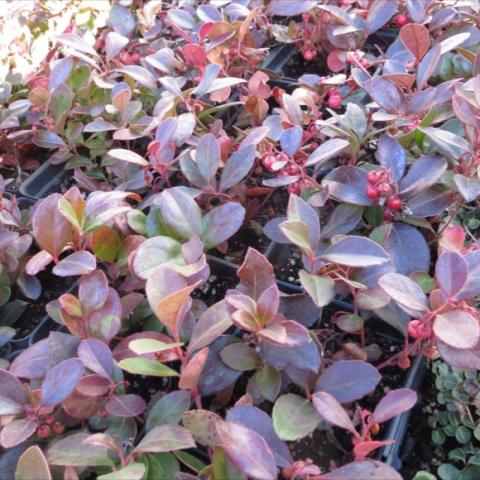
(68,222)
(175,216)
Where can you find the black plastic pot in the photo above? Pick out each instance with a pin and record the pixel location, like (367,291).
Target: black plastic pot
(46,180)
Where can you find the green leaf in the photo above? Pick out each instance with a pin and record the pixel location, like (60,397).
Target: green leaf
(160,465)
(422,475)
(297,233)
(294,417)
(169,409)
(150,345)
(320,289)
(438,437)
(147,366)
(463,435)
(446,471)
(32,463)
(223,468)
(133,471)
(190,461)
(268,381)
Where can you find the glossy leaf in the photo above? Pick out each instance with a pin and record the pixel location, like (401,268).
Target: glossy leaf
(165,438)
(331,410)
(320,289)
(394,403)
(451,272)
(77,263)
(294,417)
(32,461)
(457,328)
(61,380)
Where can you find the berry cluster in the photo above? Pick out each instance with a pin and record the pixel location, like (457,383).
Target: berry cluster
(49,427)
(384,191)
(419,329)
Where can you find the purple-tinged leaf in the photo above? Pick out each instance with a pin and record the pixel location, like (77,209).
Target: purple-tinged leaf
(371,469)
(133,471)
(190,375)
(385,94)
(327,150)
(392,156)
(97,357)
(291,140)
(126,406)
(342,220)
(32,462)
(240,356)
(330,409)
(99,126)
(288,333)
(355,251)
(220,223)
(428,203)
(260,422)
(208,156)
(247,450)
(38,262)
(292,109)
(281,181)
(114,44)
(211,324)
(290,9)
(394,403)
(405,292)
(74,452)
(449,143)
(451,272)
(349,380)
(237,167)
(209,75)
(294,417)
(469,187)
(416,10)
(12,394)
(93,386)
(181,213)
(128,156)
(139,74)
(17,431)
(426,171)
(51,229)
(61,380)
(349,185)
(267,304)
(379,13)
(32,363)
(428,65)
(405,238)
(93,291)
(165,438)
(76,42)
(77,263)
(60,72)
(457,328)
(465,359)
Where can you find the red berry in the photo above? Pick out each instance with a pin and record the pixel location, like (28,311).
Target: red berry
(364,63)
(334,91)
(292,169)
(101,412)
(334,101)
(49,419)
(372,193)
(388,216)
(412,328)
(373,177)
(58,428)
(404,363)
(44,431)
(309,55)
(305,17)
(394,203)
(294,188)
(385,189)
(401,20)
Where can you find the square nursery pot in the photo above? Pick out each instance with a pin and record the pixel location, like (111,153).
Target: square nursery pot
(397,427)
(44,181)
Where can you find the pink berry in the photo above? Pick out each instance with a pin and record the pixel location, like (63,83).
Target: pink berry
(385,189)
(44,431)
(334,101)
(394,203)
(412,328)
(372,193)
(401,20)
(373,177)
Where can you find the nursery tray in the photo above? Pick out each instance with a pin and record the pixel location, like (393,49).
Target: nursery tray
(397,427)
(46,180)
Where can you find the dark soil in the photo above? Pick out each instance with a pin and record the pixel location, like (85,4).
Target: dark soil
(35,312)
(298,66)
